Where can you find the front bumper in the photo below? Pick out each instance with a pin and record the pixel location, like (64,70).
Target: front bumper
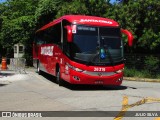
(96,78)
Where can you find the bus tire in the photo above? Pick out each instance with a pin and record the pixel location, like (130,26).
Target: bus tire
(58,78)
(38,69)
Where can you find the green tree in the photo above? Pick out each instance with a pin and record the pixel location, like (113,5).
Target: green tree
(17,23)
(142,19)
(47,11)
(84,7)
(20,19)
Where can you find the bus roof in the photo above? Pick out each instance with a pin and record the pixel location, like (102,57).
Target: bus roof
(82,19)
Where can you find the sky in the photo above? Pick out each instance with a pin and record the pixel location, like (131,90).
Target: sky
(112,1)
(2,1)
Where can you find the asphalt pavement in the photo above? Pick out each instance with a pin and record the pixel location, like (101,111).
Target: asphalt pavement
(33,92)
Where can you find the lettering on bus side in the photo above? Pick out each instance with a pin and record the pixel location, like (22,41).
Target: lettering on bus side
(47,50)
(96,21)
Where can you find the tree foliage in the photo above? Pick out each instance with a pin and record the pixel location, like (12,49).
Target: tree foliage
(47,11)
(84,7)
(19,19)
(17,22)
(142,18)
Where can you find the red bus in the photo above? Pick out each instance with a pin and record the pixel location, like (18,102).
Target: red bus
(81,50)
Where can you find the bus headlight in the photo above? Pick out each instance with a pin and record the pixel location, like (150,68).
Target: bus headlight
(120,71)
(77,69)
(74,68)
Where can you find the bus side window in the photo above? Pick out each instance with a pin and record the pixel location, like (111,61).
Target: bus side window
(39,38)
(47,37)
(40,41)
(53,34)
(66,45)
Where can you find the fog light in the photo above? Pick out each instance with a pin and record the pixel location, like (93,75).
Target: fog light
(120,79)
(76,78)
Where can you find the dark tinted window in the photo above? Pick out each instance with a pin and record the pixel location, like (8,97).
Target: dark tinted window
(66,45)
(39,38)
(110,42)
(50,35)
(85,43)
(89,42)
(108,31)
(53,34)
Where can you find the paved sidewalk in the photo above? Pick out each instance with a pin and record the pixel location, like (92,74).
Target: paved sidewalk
(9,76)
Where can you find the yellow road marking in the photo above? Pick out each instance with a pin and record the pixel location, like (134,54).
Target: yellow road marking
(124,109)
(150,99)
(126,106)
(157,118)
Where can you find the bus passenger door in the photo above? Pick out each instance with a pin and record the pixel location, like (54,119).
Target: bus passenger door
(35,54)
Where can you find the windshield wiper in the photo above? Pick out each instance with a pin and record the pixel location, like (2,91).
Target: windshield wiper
(110,57)
(98,55)
(95,56)
(109,54)
(92,59)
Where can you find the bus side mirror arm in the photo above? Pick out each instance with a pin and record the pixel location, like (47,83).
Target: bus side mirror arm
(129,35)
(69,33)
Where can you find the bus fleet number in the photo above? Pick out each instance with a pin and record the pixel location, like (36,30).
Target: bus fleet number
(99,69)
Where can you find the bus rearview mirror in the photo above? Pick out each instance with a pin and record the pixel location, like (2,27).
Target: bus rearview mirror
(129,36)
(69,33)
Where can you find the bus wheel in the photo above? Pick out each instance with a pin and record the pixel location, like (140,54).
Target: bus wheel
(38,69)
(58,78)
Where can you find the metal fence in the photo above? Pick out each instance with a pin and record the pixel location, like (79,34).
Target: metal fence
(16,64)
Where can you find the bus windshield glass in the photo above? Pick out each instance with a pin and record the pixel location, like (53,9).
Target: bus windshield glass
(97,45)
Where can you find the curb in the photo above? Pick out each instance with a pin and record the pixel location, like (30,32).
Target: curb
(141,79)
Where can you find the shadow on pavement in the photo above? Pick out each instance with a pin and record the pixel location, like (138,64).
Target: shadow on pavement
(85,87)
(94,87)
(2,85)
(6,74)
(48,77)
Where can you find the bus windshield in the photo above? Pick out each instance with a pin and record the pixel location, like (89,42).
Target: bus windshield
(97,45)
